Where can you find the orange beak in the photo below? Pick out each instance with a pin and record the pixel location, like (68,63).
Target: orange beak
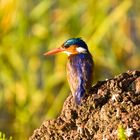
(54,51)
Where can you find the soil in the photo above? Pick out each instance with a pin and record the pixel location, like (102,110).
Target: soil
(110,111)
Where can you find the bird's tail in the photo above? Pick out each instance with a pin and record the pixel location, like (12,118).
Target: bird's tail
(79,94)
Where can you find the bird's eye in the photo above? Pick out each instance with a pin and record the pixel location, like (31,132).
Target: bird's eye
(66,46)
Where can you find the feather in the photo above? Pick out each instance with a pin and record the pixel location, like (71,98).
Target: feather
(80,74)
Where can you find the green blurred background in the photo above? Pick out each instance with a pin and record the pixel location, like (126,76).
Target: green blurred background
(33,87)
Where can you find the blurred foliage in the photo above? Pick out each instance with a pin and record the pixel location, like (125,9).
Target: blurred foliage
(3,137)
(32,87)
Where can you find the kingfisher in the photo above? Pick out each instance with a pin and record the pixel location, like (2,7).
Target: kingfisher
(79,66)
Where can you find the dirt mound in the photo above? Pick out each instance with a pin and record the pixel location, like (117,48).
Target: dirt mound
(110,111)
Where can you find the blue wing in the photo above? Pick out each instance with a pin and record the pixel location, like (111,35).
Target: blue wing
(80,75)
(80,92)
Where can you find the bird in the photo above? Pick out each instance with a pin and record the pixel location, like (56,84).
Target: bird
(79,68)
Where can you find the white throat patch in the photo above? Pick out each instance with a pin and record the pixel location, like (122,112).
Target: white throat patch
(68,53)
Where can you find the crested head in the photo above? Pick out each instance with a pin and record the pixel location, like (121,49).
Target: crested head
(75,41)
(75,46)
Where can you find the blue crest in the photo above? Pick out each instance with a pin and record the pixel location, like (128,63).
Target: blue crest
(75,41)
